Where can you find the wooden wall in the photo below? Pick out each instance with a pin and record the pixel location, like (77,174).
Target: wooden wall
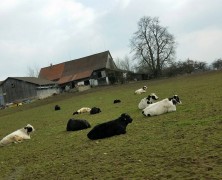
(14,90)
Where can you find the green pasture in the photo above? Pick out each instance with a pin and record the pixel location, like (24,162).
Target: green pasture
(186,144)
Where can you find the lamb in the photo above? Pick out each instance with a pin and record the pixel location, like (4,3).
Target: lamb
(57,107)
(18,135)
(161,107)
(95,110)
(110,128)
(141,90)
(77,124)
(82,110)
(147,101)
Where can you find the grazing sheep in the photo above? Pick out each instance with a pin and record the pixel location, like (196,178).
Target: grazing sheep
(57,107)
(95,110)
(82,110)
(18,135)
(77,124)
(147,101)
(141,90)
(116,101)
(110,128)
(161,107)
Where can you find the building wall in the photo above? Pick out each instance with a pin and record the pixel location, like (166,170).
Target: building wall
(44,93)
(14,90)
(1,97)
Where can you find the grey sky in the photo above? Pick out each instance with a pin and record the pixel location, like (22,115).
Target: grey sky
(39,32)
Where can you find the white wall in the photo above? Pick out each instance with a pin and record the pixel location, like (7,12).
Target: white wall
(44,93)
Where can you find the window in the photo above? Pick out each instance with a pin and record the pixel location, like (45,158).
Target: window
(99,74)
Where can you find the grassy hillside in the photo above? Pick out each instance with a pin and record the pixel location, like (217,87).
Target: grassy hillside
(185,144)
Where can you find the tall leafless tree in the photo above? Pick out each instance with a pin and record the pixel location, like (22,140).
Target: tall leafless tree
(33,71)
(153,45)
(124,64)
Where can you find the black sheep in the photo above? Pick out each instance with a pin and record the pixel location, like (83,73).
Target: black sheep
(110,128)
(77,124)
(95,110)
(57,107)
(116,101)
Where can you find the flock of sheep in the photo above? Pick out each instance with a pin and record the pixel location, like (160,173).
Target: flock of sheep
(107,129)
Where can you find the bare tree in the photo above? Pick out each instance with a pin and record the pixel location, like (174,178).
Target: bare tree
(153,45)
(124,64)
(33,71)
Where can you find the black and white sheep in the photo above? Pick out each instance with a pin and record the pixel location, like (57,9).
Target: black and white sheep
(57,107)
(77,124)
(161,107)
(18,135)
(95,110)
(82,110)
(110,128)
(147,101)
(141,90)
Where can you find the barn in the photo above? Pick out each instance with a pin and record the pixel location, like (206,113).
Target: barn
(93,70)
(15,89)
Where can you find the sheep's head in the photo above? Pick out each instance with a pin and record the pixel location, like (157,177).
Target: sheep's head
(175,99)
(29,128)
(144,87)
(126,118)
(151,98)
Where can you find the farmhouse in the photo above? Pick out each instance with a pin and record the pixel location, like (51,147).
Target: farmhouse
(20,88)
(93,70)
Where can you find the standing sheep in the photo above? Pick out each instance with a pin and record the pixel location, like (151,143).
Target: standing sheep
(110,128)
(147,101)
(161,107)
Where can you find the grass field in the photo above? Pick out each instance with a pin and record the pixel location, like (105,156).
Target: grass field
(186,144)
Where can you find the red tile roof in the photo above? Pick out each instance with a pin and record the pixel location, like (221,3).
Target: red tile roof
(79,68)
(53,72)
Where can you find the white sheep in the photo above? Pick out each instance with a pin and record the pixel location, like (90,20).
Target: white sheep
(161,107)
(82,110)
(18,135)
(141,90)
(147,101)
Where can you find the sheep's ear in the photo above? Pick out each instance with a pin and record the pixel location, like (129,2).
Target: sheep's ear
(123,115)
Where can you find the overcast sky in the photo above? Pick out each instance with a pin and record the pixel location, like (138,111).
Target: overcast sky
(36,33)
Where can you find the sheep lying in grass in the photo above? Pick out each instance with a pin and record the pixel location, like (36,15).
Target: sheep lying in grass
(57,107)
(141,90)
(116,101)
(147,101)
(95,110)
(161,107)
(110,128)
(77,124)
(18,135)
(82,110)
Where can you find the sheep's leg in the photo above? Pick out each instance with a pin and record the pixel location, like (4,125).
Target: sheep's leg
(120,130)
(17,139)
